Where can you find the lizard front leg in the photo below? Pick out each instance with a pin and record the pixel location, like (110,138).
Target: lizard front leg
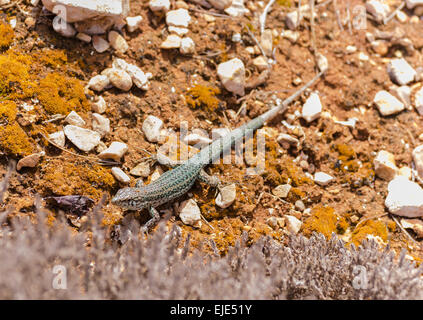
(155,217)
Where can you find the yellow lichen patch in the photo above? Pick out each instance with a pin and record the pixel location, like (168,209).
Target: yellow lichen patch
(59,94)
(51,58)
(345,152)
(392,226)
(284,3)
(201,96)
(370,227)
(14,141)
(322,220)
(8,111)
(15,76)
(79,178)
(6,35)
(111,218)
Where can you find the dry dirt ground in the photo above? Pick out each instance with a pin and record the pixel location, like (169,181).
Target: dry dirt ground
(352,206)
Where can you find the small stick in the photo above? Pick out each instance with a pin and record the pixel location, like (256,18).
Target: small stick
(313,34)
(105,162)
(256,41)
(403,230)
(389,18)
(299,17)
(264,15)
(338,18)
(219,15)
(349,17)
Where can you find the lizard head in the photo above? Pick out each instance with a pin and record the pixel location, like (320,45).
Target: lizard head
(130,198)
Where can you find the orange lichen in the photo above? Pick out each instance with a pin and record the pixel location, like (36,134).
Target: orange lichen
(201,96)
(6,35)
(15,79)
(13,139)
(52,58)
(392,226)
(59,94)
(370,227)
(79,178)
(323,220)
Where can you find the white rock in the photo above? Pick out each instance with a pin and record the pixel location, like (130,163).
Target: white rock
(414,224)
(293,224)
(312,108)
(220,4)
(133,23)
(30,161)
(282,190)
(418,101)
(83,139)
(322,178)
(266,42)
(159,5)
(260,63)
(75,119)
(405,172)
(418,159)
(80,10)
(403,93)
(232,75)
(118,42)
(115,151)
(413,3)
(120,175)
(101,124)
(151,128)
(378,10)
(283,137)
(384,164)
(351,49)
(84,37)
(178,18)
(400,71)
(178,30)
(322,62)
(100,105)
(58,138)
(290,35)
(100,45)
(405,198)
(63,28)
(237,9)
(156,174)
(139,78)
(172,42)
(387,103)
(291,20)
(196,139)
(401,16)
(190,213)
(226,196)
(218,133)
(99,82)
(141,170)
(187,46)
(120,79)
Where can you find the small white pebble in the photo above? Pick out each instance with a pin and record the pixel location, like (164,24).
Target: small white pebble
(99,106)
(101,124)
(100,45)
(133,23)
(98,83)
(58,138)
(293,224)
(322,178)
(120,175)
(151,128)
(115,151)
(190,213)
(75,119)
(226,196)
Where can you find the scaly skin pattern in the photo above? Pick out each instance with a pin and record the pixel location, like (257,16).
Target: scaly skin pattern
(174,183)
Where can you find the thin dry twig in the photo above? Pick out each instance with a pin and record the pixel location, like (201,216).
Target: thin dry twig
(349,18)
(389,18)
(5,183)
(403,230)
(256,41)
(99,161)
(264,16)
(211,13)
(338,17)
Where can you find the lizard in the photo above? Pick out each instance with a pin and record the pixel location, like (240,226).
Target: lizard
(176,182)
